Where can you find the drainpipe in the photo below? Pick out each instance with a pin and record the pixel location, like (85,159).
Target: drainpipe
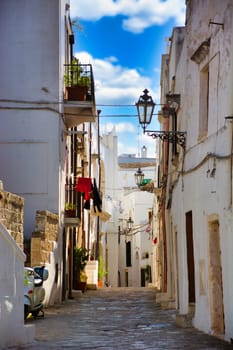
(71,42)
(165,172)
(70,254)
(82,201)
(231,109)
(89,171)
(99,184)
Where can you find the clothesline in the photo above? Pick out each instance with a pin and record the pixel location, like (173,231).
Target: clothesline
(90,190)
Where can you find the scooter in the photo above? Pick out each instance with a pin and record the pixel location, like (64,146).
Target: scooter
(34,291)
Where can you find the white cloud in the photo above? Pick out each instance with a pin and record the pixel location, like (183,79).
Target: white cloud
(138,14)
(112,59)
(117,84)
(135,147)
(118,127)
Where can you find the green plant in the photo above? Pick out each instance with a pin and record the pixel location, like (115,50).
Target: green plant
(74,75)
(70,206)
(102,272)
(84,80)
(81,256)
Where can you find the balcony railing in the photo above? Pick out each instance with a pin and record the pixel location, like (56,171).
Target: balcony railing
(79,95)
(79,82)
(73,201)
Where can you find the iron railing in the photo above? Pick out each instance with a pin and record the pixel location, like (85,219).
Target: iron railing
(79,75)
(73,198)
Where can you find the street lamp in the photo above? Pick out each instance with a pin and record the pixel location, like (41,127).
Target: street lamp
(145,107)
(125,231)
(139,177)
(129,224)
(126,228)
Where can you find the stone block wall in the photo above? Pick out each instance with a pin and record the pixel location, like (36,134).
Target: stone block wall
(12,214)
(43,238)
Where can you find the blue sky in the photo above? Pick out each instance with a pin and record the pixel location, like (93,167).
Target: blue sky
(124,41)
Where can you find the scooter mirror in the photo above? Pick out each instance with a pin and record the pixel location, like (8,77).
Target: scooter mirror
(42,272)
(45,274)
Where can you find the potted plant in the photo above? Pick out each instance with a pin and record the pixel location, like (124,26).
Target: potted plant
(77,82)
(80,260)
(70,210)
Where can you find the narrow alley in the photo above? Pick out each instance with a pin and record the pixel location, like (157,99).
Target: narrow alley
(115,318)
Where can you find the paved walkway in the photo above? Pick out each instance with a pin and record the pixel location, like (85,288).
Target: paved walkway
(121,319)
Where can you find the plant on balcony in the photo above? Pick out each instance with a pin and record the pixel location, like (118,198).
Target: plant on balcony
(81,257)
(77,82)
(70,210)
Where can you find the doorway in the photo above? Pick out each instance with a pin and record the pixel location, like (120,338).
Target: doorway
(190,257)
(215,279)
(143,277)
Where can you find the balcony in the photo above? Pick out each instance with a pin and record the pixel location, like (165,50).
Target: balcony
(79,94)
(71,218)
(72,211)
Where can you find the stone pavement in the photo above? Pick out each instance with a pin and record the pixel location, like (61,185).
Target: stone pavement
(116,318)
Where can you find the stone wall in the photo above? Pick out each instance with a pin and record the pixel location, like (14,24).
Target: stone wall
(12,214)
(43,238)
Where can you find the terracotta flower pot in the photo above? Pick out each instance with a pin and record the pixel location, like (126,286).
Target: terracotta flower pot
(76,93)
(100,284)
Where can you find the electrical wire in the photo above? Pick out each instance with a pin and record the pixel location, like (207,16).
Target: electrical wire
(110,115)
(62,102)
(121,105)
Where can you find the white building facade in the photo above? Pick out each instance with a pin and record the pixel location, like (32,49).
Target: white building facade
(32,152)
(11,294)
(121,200)
(38,120)
(199,181)
(135,240)
(136,253)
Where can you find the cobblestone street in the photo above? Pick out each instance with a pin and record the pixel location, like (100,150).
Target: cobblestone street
(110,318)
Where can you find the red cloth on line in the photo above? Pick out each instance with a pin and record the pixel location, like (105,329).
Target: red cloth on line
(84,185)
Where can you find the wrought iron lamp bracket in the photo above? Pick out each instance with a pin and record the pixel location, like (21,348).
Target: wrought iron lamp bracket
(175,137)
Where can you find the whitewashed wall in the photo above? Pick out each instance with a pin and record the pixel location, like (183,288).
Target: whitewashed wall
(111,204)
(31,71)
(197,190)
(33,152)
(13,332)
(136,205)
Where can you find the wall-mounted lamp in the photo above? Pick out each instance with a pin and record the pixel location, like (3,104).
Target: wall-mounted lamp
(125,231)
(129,224)
(126,228)
(145,107)
(139,177)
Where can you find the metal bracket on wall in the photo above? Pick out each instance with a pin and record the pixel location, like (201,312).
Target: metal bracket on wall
(177,137)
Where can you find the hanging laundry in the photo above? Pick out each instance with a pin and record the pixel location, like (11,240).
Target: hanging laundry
(84,185)
(97,201)
(87,204)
